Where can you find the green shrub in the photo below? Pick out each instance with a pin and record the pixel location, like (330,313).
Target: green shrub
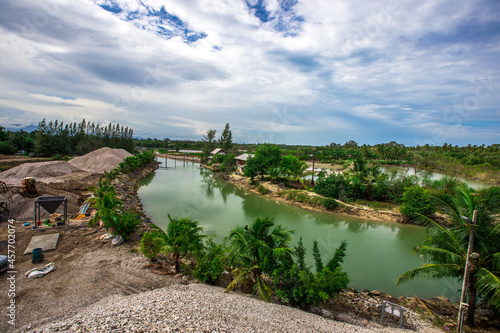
(125,224)
(7,148)
(416,201)
(297,285)
(262,190)
(210,262)
(151,244)
(330,204)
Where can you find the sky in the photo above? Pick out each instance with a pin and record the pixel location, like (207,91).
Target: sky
(307,72)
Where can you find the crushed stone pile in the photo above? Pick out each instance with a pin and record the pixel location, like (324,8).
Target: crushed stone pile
(197,308)
(100,160)
(40,170)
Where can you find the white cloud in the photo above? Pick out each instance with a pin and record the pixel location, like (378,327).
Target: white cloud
(349,63)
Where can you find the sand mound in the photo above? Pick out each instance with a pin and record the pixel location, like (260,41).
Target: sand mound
(100,160)
(37,170)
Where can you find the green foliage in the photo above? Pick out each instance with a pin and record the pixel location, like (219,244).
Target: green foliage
(80,138)
(296,285)
(125,224)
(7,148)
(330,204)
(226,139)
(151,244)
(133,163)
(342,187)
(317,257)
(255,250)
(106,202)
(262,190)
(228,163)
(300,254)
(338,257)
(267,157)
(110,210)
(209,142)
(183,237)
(416,201)
(210,261)
(11,142)
(445,249)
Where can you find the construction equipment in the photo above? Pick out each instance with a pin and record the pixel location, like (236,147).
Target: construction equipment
(28,187)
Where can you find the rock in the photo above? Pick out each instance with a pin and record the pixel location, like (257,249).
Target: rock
(366,290)
(373,311)
(118,240)
(440,299)
(352,290)
(375,293)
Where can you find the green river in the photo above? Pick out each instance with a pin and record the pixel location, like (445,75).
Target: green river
(377,253)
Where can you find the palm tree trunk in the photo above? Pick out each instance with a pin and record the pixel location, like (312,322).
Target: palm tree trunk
(177,262)
(472,301)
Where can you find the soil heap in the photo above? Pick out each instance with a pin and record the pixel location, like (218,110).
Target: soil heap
(100,160)
(96,162)
(40,171)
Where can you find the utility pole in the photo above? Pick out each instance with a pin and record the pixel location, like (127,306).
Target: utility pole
(314,157)
(466,271)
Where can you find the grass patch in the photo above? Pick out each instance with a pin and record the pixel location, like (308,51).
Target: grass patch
(377,205)
(304,197)
(262,190)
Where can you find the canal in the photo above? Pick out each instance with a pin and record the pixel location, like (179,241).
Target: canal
(377,253)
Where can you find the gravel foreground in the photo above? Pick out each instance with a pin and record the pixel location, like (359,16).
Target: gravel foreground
(198,308)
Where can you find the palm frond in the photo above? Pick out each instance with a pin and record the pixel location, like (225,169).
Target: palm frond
(240,275)
(489,284)
(428,271)
(262,289)
(435,229)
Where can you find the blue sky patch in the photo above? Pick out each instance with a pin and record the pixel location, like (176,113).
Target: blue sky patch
(113,8)
(159,21)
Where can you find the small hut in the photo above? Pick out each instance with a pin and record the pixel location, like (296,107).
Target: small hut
(217,151)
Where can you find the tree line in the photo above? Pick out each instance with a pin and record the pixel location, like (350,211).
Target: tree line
(80,138)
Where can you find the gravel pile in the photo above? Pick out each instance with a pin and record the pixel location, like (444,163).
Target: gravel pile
(40,170)
(197,308)
(100,160)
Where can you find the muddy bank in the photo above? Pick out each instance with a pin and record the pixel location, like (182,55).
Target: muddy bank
(87,269)
(343,209)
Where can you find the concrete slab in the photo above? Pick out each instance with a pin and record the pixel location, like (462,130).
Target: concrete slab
(45,242)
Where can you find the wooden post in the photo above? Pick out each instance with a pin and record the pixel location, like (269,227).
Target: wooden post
(466,274)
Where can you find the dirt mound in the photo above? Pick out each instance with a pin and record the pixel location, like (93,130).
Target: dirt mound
(100,160)
(37,170)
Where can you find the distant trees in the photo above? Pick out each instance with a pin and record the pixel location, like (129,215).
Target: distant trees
(80,138)
(11,142)
(267,158)
(226,139)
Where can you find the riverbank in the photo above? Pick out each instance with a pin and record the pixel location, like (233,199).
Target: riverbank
(97,287)
(344,209)
(87,268)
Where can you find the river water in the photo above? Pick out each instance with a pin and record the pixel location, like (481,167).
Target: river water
(377,253)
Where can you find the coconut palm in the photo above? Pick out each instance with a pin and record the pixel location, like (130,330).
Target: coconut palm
(106,202)
(256,250)
(183,236)
(445,249)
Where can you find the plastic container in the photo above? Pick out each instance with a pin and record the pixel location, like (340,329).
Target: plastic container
(37,255)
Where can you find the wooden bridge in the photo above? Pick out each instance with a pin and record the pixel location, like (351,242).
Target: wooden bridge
(184,159)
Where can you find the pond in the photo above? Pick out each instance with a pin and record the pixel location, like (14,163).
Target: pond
(402,171)
(377,253)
